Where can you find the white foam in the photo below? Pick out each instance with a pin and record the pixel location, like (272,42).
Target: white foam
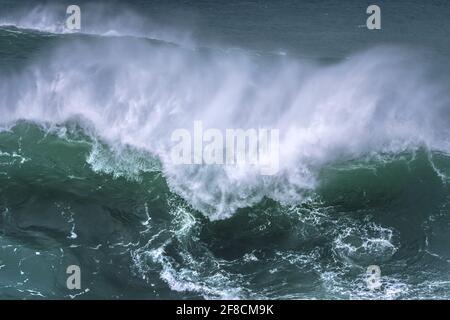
(137,93)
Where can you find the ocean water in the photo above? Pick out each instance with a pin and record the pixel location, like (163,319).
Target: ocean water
(86,178)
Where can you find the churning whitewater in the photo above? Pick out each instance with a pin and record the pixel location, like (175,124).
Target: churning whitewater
(86,176)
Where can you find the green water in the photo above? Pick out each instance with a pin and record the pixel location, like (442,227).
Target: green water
(85,120)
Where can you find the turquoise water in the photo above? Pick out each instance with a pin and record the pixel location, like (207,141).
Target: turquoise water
(85,126)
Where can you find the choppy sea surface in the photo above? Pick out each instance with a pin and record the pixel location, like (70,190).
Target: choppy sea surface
(85,124)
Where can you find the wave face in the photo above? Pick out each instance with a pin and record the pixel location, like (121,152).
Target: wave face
(86,176)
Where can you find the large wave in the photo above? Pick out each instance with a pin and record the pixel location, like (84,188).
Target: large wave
(131,92)
(363,176)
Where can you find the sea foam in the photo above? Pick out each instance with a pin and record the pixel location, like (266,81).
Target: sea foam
(135,93)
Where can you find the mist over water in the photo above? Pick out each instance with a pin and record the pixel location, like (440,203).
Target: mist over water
(86,176)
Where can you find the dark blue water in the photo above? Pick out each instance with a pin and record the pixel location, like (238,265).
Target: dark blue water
(85,125)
